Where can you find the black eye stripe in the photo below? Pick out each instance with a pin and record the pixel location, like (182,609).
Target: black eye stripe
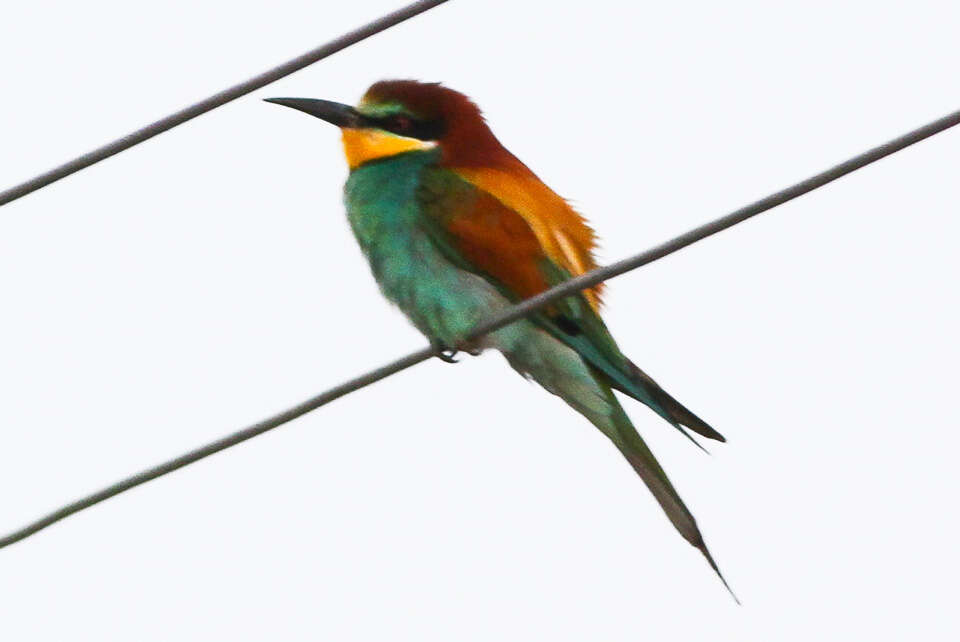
(410,127)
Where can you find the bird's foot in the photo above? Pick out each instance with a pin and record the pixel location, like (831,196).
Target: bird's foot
(448,354)
(445,353)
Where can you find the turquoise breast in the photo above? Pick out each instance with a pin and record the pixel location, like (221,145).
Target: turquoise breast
(442,300)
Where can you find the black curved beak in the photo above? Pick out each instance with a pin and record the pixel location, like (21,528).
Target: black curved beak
(335,113)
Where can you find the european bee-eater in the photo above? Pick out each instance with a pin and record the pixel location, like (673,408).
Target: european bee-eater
(455,227)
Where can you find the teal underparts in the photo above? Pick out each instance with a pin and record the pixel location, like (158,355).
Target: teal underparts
(385,202)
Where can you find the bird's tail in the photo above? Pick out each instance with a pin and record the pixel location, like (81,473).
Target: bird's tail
(636,451)
(674,411)
(563,372)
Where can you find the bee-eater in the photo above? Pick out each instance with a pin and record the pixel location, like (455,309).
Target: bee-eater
(455,227)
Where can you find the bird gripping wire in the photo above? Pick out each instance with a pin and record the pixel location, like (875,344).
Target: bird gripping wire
(505,317)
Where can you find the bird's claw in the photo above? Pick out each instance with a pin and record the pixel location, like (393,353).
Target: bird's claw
(449,356)
(445,354)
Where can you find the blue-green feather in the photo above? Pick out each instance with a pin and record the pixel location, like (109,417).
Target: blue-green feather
(441,299)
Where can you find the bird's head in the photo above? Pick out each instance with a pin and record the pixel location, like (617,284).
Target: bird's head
(397,116)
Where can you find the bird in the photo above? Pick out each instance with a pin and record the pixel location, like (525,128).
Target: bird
(455,228)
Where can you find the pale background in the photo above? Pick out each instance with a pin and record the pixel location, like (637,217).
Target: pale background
(207,279)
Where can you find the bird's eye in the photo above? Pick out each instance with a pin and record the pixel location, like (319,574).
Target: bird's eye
(400,123)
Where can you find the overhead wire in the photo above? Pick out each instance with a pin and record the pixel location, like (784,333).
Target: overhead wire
(217,100)
(496,321)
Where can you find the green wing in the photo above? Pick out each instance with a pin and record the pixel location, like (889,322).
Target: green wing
(480,235)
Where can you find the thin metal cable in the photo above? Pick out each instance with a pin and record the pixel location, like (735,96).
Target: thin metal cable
(497,321)
(217,100)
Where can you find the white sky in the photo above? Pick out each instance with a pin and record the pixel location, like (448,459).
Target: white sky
(207,279)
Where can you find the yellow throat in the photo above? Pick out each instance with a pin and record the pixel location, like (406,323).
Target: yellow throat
(362,145)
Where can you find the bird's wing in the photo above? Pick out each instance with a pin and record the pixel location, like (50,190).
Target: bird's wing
(474,218)
(480,233)
(561,233)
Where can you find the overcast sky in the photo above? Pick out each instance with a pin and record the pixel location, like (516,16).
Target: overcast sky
(208,278)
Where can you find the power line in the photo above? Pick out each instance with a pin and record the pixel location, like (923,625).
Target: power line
(220,444)
(598,275)
(217,100)
(497,321)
